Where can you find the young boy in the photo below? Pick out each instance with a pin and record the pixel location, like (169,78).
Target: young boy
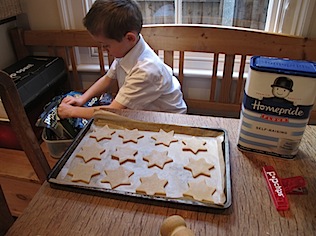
(145,82)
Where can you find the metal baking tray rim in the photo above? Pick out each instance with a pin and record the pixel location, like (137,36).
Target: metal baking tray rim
(143,198)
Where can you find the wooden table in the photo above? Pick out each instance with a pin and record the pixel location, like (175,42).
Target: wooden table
(58,212)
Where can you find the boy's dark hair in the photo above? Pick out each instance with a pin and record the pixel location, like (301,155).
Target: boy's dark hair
(113,18)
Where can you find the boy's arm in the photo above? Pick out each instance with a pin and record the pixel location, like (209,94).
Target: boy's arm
(67,111)
(98,88)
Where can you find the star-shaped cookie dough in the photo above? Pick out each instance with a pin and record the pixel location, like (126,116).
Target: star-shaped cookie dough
(200,191)
(102,133)
(152,185)
(158,159)
(194,145)
(89,152)
(83,172)
(199,167)
(130,135)
(117,177)
(164,138)
(123,154)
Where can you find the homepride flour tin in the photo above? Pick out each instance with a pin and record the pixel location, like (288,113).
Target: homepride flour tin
(279,96)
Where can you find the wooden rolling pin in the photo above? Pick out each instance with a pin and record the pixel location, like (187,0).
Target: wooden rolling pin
(175,226)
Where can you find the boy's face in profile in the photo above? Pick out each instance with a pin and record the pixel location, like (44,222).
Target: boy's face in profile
(115,48)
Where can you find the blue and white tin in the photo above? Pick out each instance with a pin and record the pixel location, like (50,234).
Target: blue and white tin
(279,96)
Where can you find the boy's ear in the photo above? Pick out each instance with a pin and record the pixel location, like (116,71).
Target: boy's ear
(131,36)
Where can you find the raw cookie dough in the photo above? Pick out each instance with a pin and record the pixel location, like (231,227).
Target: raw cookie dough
(194,145)
(117,177)
(158,159)
(200,191)
(152,185)
(89,152)
(83,172)
(199,167)
(124,154)
(130,135)
(102,133)
(164,138)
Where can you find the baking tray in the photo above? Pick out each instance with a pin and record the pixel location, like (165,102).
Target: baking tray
(183,203)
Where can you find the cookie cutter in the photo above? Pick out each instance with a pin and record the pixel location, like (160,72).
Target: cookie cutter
(279,188)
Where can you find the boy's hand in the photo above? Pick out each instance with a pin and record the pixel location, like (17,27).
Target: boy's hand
(65,110)
(70,100)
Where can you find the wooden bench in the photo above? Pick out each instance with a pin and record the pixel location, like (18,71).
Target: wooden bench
(6,218)
(225,49)
(21,173)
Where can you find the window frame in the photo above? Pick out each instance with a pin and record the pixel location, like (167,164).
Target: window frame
(280,19)
(279,13)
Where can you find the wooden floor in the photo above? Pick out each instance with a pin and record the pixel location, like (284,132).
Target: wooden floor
(18,179)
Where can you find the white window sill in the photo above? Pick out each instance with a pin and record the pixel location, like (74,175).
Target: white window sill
(191,73)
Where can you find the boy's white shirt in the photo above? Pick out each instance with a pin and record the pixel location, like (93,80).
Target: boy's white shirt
(145,82)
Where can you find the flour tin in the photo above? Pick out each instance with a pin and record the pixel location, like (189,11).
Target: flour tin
(279,96)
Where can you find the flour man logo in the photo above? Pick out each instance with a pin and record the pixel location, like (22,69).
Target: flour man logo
(281,88)
(278,108)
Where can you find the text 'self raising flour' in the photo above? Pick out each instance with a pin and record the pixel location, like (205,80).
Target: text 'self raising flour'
(279,96)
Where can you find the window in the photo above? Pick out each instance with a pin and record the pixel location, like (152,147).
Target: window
(281,16)
(240,13)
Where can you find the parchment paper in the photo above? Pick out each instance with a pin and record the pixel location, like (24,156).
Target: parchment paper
(177,176)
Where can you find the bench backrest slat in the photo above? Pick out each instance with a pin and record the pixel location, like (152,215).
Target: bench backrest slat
(225,45)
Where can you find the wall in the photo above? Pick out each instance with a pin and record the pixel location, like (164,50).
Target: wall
(312,29)
(42,14)
(7,54)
